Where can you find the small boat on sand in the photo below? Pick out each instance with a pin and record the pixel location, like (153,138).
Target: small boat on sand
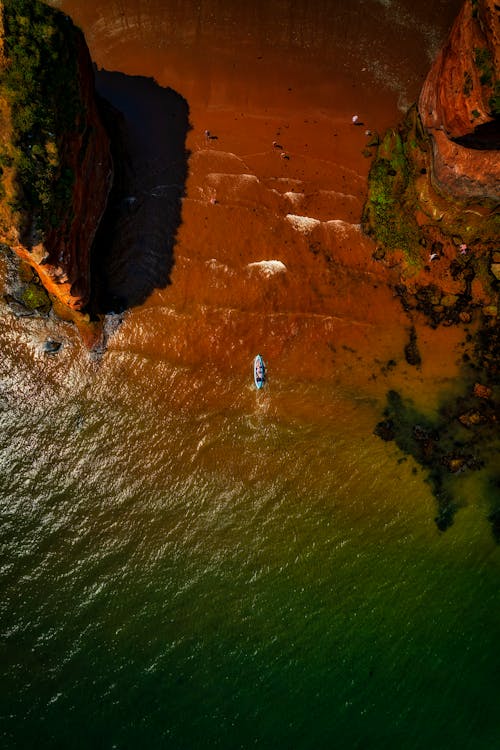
(259,371)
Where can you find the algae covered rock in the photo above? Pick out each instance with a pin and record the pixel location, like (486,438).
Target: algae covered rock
(435,178)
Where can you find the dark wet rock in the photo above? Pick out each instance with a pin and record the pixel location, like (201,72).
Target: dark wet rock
(437,247)
(385,430)
(425,438)
(446,513)
(379,253)
(495,270)
(374,140)
(19,310)
(405,297)
(490,311)
(51,347)
(412,353)
(449,300)
(494,519)
(315,247)
(423,434)
(482,391)
(429,295)
(390,365)
(472,418)
(455,462)
(34,297)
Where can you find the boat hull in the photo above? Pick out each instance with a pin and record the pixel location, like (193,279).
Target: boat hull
(259,372)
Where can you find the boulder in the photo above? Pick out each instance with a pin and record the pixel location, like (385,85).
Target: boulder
(482,391)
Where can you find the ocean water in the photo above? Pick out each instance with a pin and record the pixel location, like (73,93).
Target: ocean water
(187,562)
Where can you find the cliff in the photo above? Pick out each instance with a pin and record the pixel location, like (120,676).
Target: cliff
(433,197)
(460,104)
(433,210)
(55,162)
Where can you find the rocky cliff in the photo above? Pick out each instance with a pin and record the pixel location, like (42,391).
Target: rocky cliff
(55,163)
(460,104)
(434,192)
(433,210)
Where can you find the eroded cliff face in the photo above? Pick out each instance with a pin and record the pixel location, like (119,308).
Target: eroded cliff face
(56,166)
(434,192)
(460,104)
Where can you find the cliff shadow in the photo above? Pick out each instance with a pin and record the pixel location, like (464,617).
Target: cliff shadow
(133,252)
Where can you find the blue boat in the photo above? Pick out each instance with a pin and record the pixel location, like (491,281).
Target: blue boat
(259,371)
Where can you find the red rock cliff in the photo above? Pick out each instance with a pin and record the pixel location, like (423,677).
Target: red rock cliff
(460,104)
(61,252)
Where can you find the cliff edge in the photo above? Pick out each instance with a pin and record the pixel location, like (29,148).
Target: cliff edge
(55,162)
(434,185)
(460,104)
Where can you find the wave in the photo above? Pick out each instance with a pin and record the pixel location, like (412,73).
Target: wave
(268,267)
(303,224)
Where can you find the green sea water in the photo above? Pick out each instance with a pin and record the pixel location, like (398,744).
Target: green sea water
(230,578)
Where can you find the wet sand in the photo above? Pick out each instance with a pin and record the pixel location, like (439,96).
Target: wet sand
(269,255)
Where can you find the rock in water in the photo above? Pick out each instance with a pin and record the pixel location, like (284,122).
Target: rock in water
(51,347)
(56,163)
(412,353)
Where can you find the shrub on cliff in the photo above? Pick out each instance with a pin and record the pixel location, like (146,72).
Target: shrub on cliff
(39,80)
(391,191)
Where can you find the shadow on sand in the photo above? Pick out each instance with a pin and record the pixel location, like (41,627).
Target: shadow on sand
(134,247)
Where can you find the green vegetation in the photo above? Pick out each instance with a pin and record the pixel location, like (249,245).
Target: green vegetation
(483,62)
(35,297)
(40,83)
(494,101)
(391,188)
(399,193)
(468,83)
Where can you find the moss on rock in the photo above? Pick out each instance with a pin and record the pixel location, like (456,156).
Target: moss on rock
(34,297)
(39,80)
(405,211)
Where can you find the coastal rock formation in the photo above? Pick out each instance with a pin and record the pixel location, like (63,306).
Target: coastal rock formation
(433,210)
(433,198)
(460,104)
(55,162)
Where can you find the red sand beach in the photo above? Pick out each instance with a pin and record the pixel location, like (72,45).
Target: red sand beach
(269,255)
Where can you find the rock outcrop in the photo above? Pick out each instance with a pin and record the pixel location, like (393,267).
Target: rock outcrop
(433,210)
(55,162)
(460,105)
(433,198)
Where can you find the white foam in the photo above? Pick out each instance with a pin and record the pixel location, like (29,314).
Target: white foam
(238,179)
(216,265)
(293,197)
(268,267)
(337,194)
(303,224)
(343,226)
